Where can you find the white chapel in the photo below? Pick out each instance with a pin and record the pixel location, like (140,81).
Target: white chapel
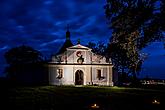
(78,65)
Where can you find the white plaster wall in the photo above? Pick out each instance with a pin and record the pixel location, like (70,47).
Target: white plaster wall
(88,74)
(106,72)
(70,70)
(110,76)
(70,56)
(68,75)
(88,57)
(52,75)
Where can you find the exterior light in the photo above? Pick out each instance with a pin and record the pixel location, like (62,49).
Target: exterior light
(95,106)
(155,102)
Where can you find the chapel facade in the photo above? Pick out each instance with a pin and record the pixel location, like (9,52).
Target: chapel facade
(78,65)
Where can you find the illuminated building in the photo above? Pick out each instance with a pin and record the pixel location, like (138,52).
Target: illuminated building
(78,65)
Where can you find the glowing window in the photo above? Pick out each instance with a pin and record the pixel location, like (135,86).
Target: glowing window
(59,73)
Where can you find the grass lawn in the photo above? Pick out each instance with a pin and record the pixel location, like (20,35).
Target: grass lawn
(82,98)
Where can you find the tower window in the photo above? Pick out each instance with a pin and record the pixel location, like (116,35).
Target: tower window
(59,73)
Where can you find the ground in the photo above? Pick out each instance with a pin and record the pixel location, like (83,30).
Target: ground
(82,98)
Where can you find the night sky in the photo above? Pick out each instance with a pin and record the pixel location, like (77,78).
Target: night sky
(42,25)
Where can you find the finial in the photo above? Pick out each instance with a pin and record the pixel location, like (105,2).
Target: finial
(78,41)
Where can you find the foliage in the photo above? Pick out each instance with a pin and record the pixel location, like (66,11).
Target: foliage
(22,55)
(24,65)
(135,24)
(98,48)
(162,15)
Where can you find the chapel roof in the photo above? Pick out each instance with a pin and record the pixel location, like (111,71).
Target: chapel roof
(66,44)
(79,46)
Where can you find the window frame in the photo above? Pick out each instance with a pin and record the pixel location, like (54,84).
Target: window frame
(60,73)
(99,74)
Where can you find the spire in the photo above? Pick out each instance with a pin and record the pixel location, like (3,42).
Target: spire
(67,42)
(78,41)
(67,33)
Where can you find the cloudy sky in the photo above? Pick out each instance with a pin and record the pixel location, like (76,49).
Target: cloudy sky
(42,25)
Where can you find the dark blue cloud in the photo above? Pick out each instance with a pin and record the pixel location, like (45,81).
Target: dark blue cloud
(42,25)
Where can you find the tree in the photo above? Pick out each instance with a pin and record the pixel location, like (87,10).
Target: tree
(25,65)
(23,55)
(162,15)
(134,24)
(98,48)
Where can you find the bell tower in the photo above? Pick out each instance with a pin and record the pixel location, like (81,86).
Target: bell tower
(67,42)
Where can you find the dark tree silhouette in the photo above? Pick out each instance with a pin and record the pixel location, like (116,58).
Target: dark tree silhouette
(23,55)
(135,24)
(98,48)
(25,65)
